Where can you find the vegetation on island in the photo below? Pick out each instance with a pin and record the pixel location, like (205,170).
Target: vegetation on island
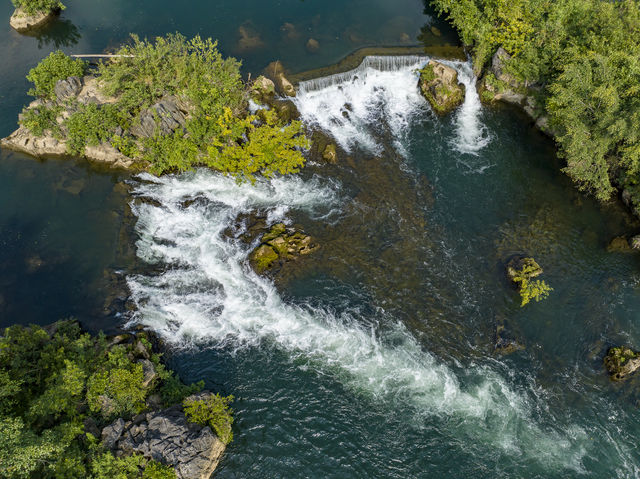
(58,385)
(581,58)
(522,271)
(215,128)
(33,7)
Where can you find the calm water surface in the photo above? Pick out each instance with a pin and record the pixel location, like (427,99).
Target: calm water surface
(373,357)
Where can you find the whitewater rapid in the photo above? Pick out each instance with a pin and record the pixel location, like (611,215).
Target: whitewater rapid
(206,293)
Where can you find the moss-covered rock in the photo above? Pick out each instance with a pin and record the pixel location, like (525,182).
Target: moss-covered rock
(279,245)
(621,362)
(519,267)
(439,85)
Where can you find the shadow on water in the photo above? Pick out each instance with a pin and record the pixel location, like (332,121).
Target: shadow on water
(60,33)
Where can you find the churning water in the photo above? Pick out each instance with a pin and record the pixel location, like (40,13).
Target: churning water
(203,292)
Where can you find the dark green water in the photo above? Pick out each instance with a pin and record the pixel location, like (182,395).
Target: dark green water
(374,358)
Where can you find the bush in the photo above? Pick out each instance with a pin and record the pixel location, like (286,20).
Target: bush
(214,411)
(31,7)
(57,66)
(91,125)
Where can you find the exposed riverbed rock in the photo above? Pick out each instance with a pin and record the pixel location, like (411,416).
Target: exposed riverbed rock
(163,117)
(279,245)
(23,22)
(621,362)
(168,437)
(439,85)
(504,343)
(275,70)
(263,90)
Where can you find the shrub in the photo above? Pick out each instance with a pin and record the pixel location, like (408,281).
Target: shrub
(57,66)
(91,125)
(38,120)
(31,7)
(214,411)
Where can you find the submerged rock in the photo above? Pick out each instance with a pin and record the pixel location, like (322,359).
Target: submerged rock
(168,437)
(23,22)
(280,245)
(619,244)
(621,362)
(439,85)
(503,343)
(313,45)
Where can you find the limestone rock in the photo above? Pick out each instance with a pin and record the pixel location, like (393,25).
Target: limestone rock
(148,371)
(621,362)
(112,433)
(439,85)
(287,110)
(22,22)
(498,61)
(68,88)
(167,437)
(263,89)
(276,71)
(165,116)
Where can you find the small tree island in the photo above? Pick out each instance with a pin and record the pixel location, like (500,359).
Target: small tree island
(161,106)
(32,14)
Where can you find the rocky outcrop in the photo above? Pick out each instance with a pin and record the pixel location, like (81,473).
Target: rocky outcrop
(23,22)
(621,362)
(263,90)
(168,437)
(163,117)
(439,85)
(68,88)
(280,245)
(275,70)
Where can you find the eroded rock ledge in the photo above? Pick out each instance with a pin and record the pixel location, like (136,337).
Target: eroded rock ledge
(85,90)
(167,437)
(22,22)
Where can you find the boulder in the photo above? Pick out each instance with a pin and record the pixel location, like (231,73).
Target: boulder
(111,433)
(286,110)
(167,437)
(621,362)
(263,90)
(68,88)
(280,245)
(498,62)
(275,70)
(165,117)
(439,85)
(148,371)
(23,22)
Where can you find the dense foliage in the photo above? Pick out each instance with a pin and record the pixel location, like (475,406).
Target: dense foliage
(528,287)
(31,7)
(214,412)
(583,56)
(57,66)
(51,384)
(192,75)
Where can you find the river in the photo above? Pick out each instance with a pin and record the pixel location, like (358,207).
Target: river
(374,358)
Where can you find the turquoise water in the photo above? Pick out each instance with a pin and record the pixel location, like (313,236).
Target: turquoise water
(374,356)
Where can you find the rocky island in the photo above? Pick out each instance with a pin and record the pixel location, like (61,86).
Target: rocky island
(33,14)
(76,405)
(162,106)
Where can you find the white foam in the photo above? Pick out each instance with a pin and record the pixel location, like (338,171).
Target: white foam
(208,293)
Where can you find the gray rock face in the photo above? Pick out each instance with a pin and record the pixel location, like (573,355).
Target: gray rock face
(169,118)
(167,437)
(500,57)
(68,88)
(112,433)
